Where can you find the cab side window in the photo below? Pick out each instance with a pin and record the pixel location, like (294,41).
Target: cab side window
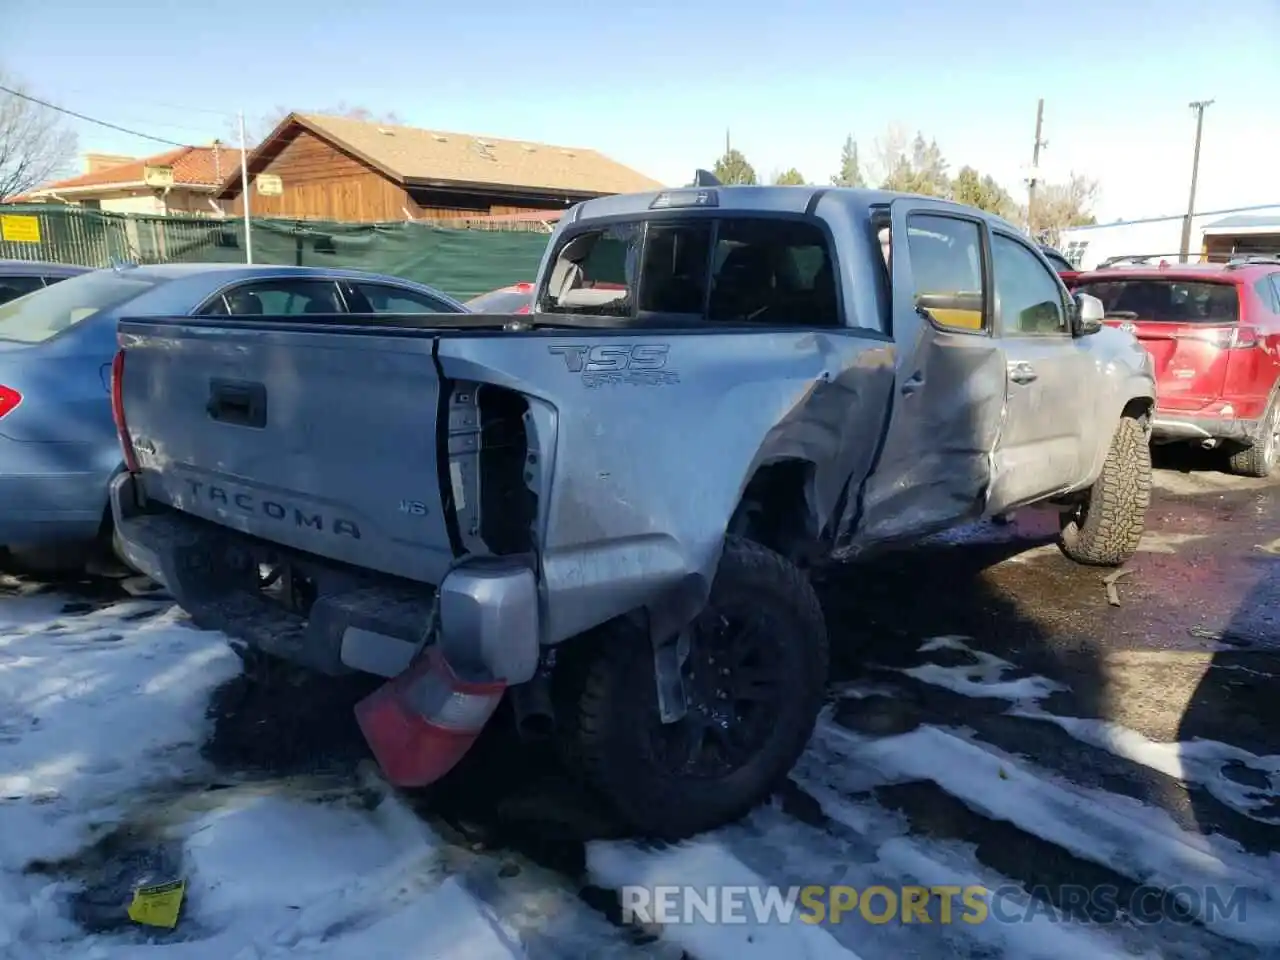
(946,267)
(773,272)
(1028,293)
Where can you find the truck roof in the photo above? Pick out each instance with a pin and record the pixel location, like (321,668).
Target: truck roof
(762,199)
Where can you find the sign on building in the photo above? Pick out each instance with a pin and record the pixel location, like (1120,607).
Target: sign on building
(157,176)
(268,184)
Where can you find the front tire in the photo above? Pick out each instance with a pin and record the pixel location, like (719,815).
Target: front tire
(755,676)
(1104,529)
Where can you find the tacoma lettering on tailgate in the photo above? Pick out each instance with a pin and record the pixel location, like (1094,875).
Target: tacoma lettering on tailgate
(272,509)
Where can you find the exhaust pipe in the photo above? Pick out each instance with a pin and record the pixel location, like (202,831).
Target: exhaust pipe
(531,704)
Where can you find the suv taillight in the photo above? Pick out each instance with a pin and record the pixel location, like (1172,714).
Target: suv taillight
(1234,338)
(9,400)
(117,412)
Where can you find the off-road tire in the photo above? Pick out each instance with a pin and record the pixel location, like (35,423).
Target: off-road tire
(607,704)
(1259,459)
(1105,528)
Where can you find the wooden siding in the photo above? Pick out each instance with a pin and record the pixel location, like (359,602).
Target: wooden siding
(447,204)
(322,182)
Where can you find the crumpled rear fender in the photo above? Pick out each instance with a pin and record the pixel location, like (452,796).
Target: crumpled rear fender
(646,441)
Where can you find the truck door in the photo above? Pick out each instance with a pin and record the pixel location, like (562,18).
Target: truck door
(1040,450)
(934,467)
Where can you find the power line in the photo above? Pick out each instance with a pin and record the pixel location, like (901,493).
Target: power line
(158,104)
(94,120)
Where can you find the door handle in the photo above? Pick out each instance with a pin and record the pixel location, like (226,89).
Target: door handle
(238,403)
(1022,372)
(912,383)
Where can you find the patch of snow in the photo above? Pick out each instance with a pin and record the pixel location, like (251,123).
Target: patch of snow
(274,875)
(1196,761)
(1042,935)
(706,866)
(102,714)
(1136,840)
(982,679)
(84,724)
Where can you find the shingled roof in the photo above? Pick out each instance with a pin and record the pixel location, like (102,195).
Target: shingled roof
(416,157)
(200,167)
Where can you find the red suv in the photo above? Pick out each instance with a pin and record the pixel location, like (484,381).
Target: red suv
(1213,331)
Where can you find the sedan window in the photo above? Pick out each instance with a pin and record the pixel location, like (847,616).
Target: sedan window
(11,288)
(385,298)
(278,298)
(48,312)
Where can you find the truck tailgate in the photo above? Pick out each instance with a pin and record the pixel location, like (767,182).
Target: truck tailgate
(324,440)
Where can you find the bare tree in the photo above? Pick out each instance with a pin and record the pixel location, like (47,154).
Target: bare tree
(888,152)
(256,129)
(1062,205)
(36,145)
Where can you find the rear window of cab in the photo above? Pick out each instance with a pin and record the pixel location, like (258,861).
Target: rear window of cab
(741,270)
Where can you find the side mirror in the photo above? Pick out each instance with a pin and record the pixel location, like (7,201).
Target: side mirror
(1087,316)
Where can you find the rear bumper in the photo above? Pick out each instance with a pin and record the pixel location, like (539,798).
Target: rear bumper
(49,493)
(1167,428)
(359,622)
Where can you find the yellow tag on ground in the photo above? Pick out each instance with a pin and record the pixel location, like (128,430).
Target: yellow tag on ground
(158,906)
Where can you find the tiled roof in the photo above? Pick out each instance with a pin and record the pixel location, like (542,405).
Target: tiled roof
(410,153)
(192,166)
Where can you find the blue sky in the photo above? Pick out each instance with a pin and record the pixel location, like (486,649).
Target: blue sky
(655,84)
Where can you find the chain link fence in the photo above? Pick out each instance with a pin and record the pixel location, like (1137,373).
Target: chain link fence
(462,258)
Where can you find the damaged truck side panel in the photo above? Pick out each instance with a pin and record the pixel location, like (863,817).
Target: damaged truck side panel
(641,489)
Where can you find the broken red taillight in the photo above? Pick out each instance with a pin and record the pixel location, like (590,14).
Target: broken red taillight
(117,413)
(421,723)
(9,400)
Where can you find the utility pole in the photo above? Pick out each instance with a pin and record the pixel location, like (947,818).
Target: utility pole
(1035,166)
(244,191)
(1198,106)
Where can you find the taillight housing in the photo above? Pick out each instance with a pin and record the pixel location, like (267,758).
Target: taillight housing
(1241,337)
(117,413)
(9,400)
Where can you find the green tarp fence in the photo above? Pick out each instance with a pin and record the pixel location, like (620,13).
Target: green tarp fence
(461,262)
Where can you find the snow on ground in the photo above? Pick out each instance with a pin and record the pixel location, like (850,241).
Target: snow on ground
(103,713)
(1199,761)
(984,677)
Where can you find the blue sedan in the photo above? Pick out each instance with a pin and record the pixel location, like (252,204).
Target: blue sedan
(58,444)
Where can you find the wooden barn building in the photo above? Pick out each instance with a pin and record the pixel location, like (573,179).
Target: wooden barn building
(335,168)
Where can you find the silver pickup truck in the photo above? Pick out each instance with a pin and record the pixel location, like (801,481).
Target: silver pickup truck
(600,512)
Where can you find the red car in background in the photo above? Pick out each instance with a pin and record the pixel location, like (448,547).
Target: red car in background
(1213,332)
(517,298)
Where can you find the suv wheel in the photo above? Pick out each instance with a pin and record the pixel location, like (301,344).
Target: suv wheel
(754,678)
(1259,460)
(1104,528)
